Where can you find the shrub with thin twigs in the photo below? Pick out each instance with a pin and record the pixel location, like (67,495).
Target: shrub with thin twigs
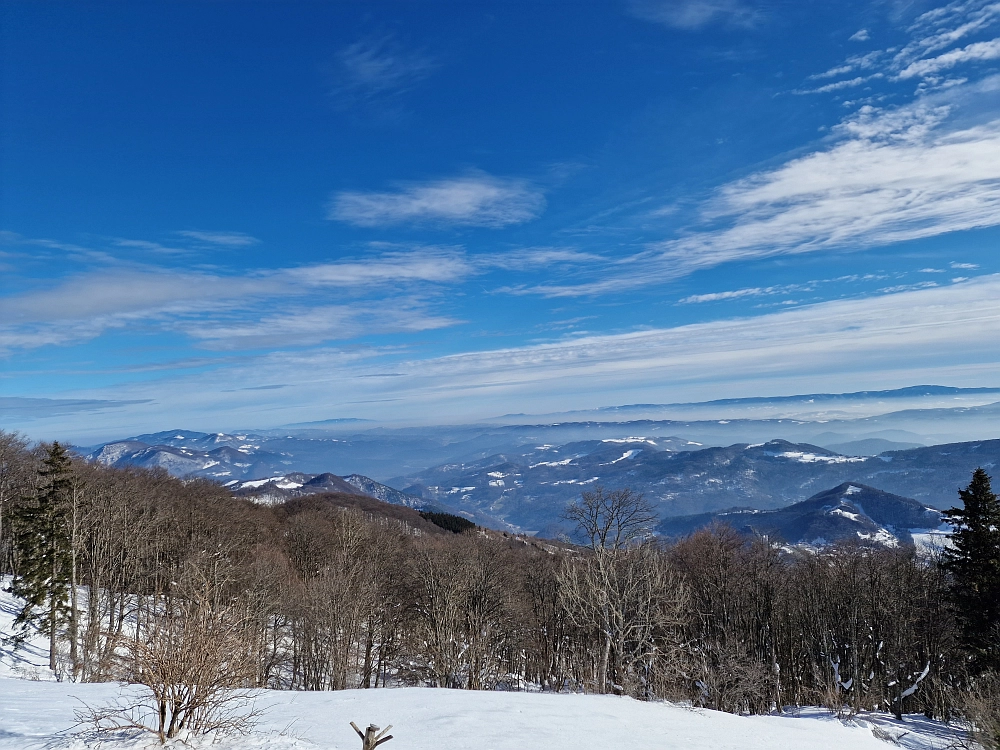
(194,668)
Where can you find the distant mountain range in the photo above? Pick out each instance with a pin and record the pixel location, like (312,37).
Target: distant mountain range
(719,455)
(296,484)
(530,488)
(849,511)
(807,406)
(863,423)
(529,480)
(379,453)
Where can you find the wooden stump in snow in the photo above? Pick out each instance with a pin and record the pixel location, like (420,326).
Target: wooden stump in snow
(372,737)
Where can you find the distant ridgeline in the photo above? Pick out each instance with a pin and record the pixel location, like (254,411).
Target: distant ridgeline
(849,511)
(525,486)
(529,488)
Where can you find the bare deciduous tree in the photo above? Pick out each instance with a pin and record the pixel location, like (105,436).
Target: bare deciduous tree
(612,519)
(637,603)
(16,475)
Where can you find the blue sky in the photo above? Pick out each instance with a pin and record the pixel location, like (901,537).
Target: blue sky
(238,215)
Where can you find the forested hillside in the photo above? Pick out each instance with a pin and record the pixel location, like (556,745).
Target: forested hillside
(334,591)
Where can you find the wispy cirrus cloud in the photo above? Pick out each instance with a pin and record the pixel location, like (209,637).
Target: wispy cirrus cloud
(903,329)
(150,247)
(535,257)
(935,333)
(755,291)
(126,292)
(781,289)
(942,27)
(931,33)
(883,176)
(427,264)
(305,326)
(224,239)
(395,289)
(897,177)
(476,199)
(975,52)
(21,409)
(374,72)
(224,310)
(839,85)
(691,15)
(884,185)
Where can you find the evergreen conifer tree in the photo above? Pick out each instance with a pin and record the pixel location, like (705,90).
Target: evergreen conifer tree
(42,546)
(973,561)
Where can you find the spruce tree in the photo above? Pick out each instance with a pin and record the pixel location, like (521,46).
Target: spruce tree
(43,551)
(973,560)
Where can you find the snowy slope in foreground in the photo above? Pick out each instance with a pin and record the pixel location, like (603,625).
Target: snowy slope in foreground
(37,714)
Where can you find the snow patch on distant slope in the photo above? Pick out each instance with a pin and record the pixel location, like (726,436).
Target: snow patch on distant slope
(627,455)
(810,458)
(564,462)
(882,536)
(846,514)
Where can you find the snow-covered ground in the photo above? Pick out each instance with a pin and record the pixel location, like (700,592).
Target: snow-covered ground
(41,715)
(31,660)
(37,712)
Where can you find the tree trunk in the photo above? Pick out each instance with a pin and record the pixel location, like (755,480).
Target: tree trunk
(602,682)
(74,621)
(52,620)
(52,633)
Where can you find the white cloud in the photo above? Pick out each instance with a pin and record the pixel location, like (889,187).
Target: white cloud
(932,32)
(837,86)
(27,409)
(225,239)
(910,321)
(152,247)
(126,292)
(861,35)
(839,70)
(933,332)
(376,70)
(895,175)
(965,266)
(941,27)
(243,309)
(806,286)
(899,178)
(974,52)
(907,287)
(536,257)
(720,296)
(737,294)
(939,326)
(439,265)
(473,200)
(315,325)
(691,15)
